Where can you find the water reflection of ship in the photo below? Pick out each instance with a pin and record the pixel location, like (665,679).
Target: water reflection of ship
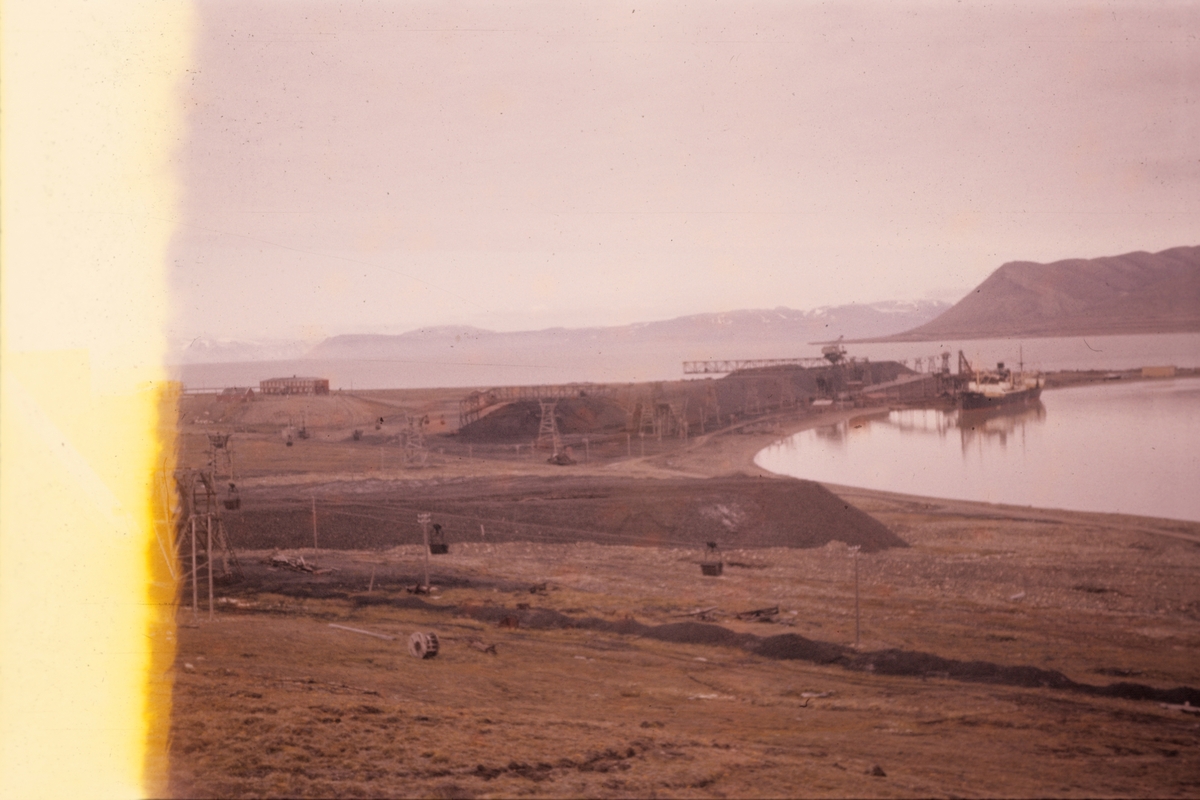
(997,424)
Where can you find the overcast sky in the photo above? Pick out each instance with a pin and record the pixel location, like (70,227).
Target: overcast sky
(378,167)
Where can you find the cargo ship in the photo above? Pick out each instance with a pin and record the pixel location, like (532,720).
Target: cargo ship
(996,388)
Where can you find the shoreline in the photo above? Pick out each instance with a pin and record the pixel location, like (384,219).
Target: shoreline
(740,456)
(720,453)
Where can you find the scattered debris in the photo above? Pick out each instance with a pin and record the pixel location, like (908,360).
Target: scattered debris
(509,622)
(537,588)
(481,647)
(1186,707)
(298,564)
(702,614)
(816,694)
(760,614)
(1017,596)
(360,630)
(877,771)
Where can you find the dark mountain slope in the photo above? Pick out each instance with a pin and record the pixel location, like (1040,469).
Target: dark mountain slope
(1132,293)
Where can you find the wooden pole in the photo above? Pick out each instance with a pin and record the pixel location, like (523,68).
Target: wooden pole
(856,617)
(424,520)
(425,531)
(314,512)
(208,551)
(195,588)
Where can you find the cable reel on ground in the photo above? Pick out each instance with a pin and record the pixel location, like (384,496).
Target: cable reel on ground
(423,645)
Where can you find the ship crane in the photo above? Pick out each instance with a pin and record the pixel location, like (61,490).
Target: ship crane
(964,366)
(834,353)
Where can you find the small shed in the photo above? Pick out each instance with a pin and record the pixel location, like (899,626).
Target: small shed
(236,394)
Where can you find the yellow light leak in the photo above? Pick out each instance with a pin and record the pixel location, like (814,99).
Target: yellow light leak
(90,123)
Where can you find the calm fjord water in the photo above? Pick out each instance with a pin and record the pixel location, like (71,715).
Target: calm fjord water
(1131,448)
(434,364)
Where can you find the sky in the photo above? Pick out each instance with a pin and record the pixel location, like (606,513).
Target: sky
(376,167)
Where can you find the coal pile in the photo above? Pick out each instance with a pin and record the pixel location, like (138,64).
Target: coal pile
(520,421)
(735,512)
(768,387)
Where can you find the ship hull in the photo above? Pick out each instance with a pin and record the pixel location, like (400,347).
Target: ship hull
(970,401)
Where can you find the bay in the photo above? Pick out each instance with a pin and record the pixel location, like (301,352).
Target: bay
(1131,448)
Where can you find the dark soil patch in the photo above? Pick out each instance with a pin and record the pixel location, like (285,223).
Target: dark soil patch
(735,512)
(791,647)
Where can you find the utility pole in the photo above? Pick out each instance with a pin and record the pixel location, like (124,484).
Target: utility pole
(424,520)
(314,512)
(208,554)
(195,575)
(855,550)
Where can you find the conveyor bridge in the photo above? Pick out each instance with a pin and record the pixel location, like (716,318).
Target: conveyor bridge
(722,366)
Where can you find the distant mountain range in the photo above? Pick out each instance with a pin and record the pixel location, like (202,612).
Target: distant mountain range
(223,351)
(1132,293)
(774,333)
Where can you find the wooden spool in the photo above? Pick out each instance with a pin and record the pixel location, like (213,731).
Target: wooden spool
(423,645)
